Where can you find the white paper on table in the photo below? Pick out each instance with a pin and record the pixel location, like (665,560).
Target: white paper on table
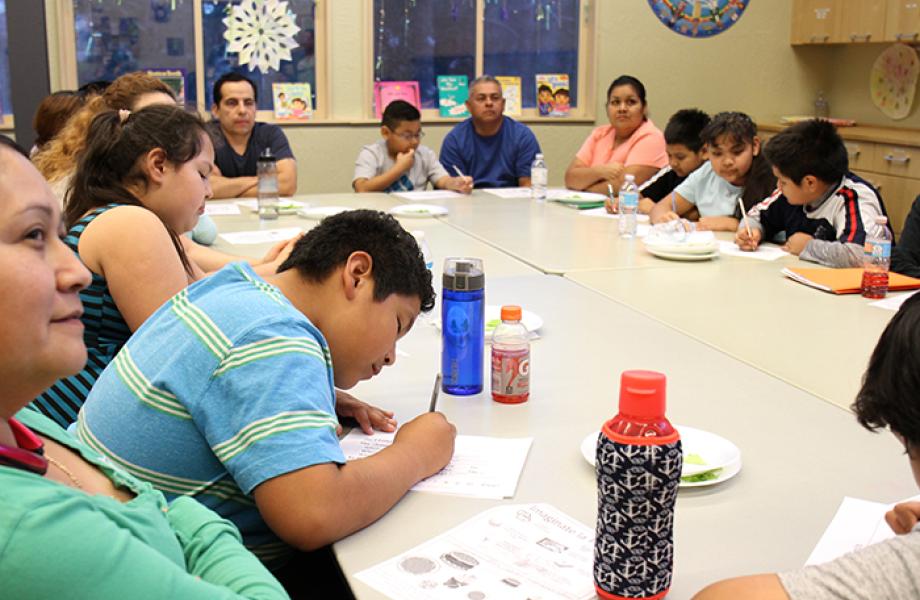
(602,212)
(482,467)
(511,551)
(857,524)
(514,192)
(263,236)
(894,301)
(763,252)
(428,195)
(222,208)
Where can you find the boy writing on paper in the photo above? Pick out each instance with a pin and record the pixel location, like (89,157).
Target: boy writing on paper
(736,168)
(820,209)
(889,570)
(227,392)
(398,162)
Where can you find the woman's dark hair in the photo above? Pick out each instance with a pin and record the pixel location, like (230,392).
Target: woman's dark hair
(888,396)
(111,165)
(740,129)
(399,267)
(628,80)
(52,114)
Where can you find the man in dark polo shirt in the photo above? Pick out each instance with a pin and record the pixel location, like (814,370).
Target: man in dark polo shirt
(240,140)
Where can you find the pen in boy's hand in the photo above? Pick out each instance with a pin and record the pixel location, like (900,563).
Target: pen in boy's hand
(434,393)
(747,224)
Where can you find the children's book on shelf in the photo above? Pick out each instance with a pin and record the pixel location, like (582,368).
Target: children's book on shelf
(387,91)
(174,78)
(292,101)
(511,90)
(553,96)
(453,90)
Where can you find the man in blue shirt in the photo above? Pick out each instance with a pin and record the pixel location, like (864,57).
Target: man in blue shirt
(495,150)
(240,140)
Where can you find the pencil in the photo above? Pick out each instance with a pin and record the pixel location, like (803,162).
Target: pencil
(434,392)
(747,224)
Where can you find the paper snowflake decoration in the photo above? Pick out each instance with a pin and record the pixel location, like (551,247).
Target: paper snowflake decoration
(262,32)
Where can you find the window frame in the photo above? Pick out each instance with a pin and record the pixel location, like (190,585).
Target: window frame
(62,43)
(587,36)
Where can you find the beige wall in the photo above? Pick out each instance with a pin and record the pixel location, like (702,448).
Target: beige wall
(751,67)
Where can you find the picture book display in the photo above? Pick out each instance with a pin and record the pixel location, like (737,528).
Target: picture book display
(387,91)
(453,90)
(174,78)
(292,101)
(511,90)
(553,95)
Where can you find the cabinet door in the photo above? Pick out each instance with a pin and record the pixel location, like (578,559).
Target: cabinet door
(862,20)
(897,160)
(860,154)
(897,193)
(815,21)
(902,23)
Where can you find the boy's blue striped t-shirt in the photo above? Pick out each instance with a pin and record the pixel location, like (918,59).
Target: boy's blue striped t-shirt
(227,385)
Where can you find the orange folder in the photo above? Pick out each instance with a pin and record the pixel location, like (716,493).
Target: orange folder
(845,281)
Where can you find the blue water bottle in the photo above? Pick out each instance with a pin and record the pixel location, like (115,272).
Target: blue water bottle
(462,326)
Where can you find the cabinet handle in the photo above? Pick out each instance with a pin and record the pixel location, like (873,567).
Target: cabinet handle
(819,38)
(906,36)
(860,37)
(854,154)
(901,160)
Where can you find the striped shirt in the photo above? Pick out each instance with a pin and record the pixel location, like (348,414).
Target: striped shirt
(104,331)
(227,385)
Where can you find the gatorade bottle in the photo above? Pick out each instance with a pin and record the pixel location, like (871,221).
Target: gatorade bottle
(638,469)
(511,358)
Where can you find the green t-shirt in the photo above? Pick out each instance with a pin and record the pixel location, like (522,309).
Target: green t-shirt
(59,542)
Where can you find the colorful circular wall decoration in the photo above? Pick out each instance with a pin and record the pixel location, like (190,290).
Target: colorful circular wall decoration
(893,80)
(698,18)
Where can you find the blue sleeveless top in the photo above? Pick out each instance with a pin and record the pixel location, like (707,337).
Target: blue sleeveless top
(105,332)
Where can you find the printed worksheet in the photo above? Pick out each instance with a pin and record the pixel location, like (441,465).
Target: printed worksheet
(482,467)
(513,192)
(893,301)
(221,208)
(263,236)
(763,252)
(512,552)
(419,195)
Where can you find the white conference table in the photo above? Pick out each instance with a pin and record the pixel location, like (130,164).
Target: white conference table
(801,455)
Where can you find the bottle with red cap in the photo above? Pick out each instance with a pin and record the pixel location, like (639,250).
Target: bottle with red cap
(510,358)
(638,469)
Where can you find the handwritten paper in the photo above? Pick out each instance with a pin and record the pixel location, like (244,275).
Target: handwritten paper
(263,236)
(514,192)
(892,302)
(482,467)
(511,551)
(763,252)
(857,524)
(428,195)
(221,208)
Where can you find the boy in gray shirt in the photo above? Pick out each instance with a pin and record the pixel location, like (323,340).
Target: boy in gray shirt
(888,570)
(398,162)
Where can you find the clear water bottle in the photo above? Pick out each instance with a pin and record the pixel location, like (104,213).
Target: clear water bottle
(822,108)
(638,468)
(462,326)
(422,242)
(267,171)
(628,203)
(876,259)
(511,358)
(539,178)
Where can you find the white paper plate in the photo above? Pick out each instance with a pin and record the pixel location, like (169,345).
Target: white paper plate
(715,450)
(418,210)
(321,212)
(493,313)
(574,197)
(286,206)
(683,256)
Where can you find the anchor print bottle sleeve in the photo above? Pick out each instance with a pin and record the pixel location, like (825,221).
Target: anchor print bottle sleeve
(638,469)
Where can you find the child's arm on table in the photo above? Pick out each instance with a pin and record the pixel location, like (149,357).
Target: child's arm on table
(724,223)
(669,208)
(381,182)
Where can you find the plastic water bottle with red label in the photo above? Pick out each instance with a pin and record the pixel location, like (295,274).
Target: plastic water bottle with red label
(876,259)
(511,358)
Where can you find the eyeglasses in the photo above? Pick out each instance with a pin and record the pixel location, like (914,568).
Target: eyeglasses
(412,136)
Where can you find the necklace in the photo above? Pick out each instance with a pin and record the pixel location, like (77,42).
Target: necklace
(66,471)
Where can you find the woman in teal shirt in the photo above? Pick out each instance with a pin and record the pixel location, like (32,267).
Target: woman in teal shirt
(71,525)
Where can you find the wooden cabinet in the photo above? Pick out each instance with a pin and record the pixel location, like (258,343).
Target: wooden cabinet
(815,21)
(861,21)
(903,21)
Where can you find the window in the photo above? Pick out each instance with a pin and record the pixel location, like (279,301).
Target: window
(417,41)
(6,101)
(106,38)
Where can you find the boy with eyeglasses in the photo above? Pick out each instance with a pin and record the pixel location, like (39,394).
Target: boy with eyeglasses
(398,162)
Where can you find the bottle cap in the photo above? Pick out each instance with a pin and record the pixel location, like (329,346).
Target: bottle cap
(881,220)
(630,177)
(418,234)
(642,394)
(267,155)
(538,155)
(510,312)
(463,274)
